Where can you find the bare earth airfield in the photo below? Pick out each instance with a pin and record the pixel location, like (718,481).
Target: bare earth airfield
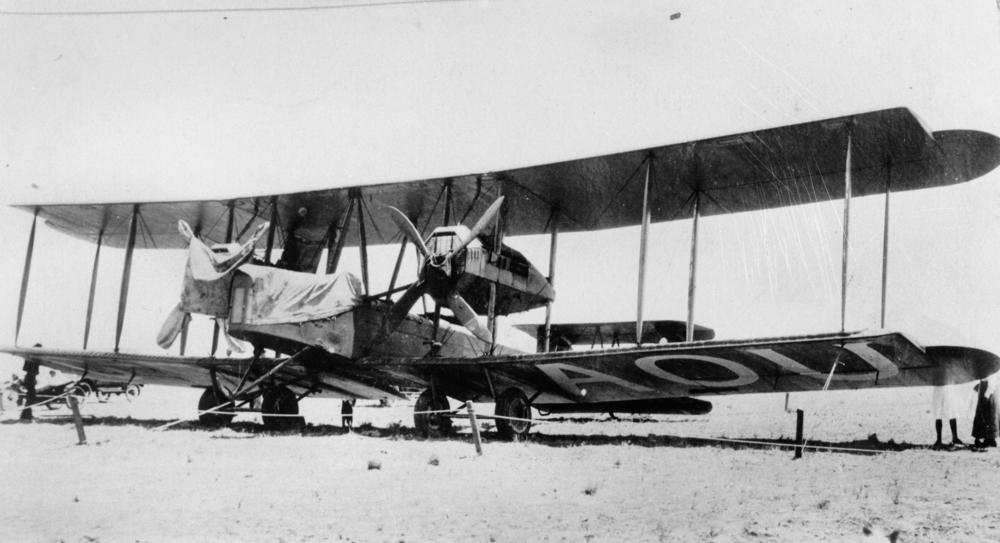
(258,107)
(579,478)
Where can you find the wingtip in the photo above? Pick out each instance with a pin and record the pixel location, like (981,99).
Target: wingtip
(971,153)
(959,365)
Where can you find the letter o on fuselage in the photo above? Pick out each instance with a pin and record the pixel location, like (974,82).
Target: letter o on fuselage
(743,374)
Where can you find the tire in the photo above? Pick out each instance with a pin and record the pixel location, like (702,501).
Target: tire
(82,391)
(281,401)
(431,424)
(132,392)
(85,388)
(209,399)
(513,403)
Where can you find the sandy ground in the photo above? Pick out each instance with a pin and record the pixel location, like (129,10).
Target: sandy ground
(579,478)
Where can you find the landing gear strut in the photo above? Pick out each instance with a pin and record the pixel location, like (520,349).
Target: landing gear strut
(347,414)
(514,404)
(431,424)
(277,408)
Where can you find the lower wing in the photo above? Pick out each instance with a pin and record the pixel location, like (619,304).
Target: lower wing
(642,374)
(595,377)
(310,373)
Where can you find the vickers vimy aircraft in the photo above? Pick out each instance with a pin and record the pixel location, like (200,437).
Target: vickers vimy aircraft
(332,336)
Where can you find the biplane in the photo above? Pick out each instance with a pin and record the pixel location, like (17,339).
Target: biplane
(317,331)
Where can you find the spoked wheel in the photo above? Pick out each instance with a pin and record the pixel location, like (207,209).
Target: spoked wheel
(82,391)
(431,424)
(278,409)
(132,392)
(213,398)
(514,404)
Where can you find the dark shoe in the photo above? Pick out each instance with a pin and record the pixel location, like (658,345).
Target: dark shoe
(956,442)
(937,446)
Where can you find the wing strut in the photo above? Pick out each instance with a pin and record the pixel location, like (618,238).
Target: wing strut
(885,238)
(551,278)
(693,269)
(363,244)
(333,259)
(270,233)
(25,275)
(643,247)
(847,231)
(93,289)
(184,336)
(395,269)
(126,275)
(230,226)
(447,202)
(500,224)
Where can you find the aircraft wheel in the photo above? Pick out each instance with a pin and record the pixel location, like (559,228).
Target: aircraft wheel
(431,424)
(132,392)
(82,391)
(209,399)
(276,406)
(513,403)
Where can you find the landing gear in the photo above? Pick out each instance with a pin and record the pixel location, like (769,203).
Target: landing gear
(513,404)
(213,398)
(82,390)
(347,414)
(132,392)
(431,424)
(278,407)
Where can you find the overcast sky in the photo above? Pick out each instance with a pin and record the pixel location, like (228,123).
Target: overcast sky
(214,104)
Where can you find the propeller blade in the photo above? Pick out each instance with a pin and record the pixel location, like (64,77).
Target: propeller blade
(481,224)
(465,315)
(406,227)
(398,312)
(402,306)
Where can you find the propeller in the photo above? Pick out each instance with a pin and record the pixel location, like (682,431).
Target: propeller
(436,278)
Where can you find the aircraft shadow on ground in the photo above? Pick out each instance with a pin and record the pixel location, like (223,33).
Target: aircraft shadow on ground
(245,430)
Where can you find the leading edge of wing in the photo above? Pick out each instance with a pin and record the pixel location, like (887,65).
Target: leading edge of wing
(762,169)
(123,367)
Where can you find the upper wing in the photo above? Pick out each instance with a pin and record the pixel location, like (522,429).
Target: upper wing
(710,367)
(755,170)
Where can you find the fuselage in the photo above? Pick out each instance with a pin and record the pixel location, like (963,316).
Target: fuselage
(357,334)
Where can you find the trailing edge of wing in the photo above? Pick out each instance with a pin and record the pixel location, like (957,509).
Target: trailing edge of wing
(764,169)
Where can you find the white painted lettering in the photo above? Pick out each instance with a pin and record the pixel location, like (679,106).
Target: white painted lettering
(744,375)
(875,359)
